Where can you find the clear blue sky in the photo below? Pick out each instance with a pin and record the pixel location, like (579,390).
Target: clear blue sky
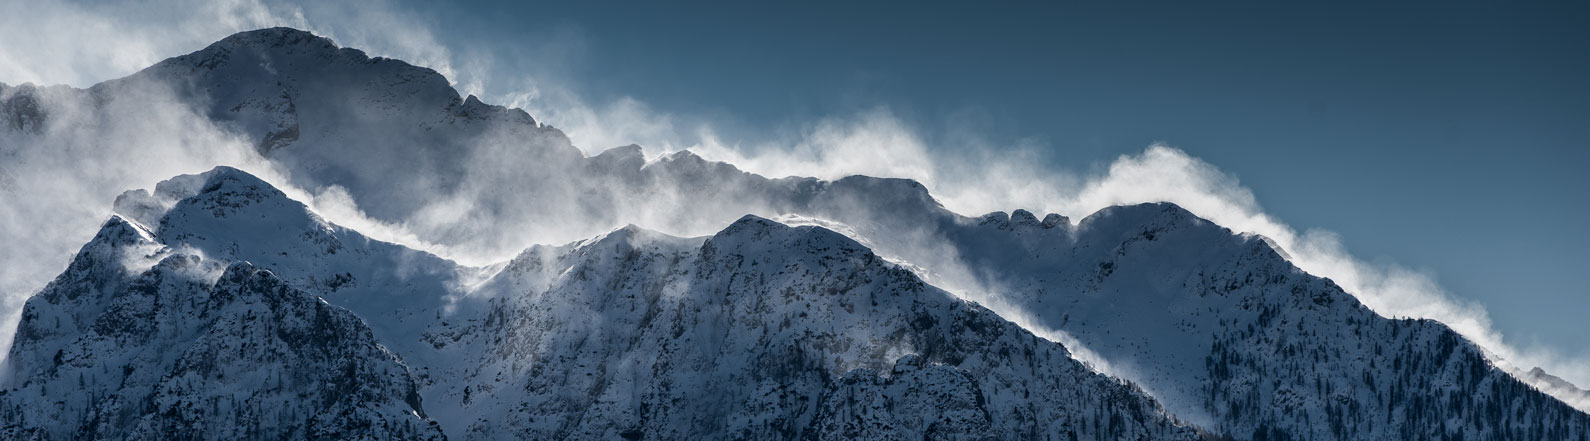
(1448,136)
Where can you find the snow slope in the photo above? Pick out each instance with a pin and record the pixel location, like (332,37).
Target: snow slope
(761,331)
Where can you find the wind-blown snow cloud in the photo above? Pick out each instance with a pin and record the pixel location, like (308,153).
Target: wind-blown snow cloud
(59,184)
(976,176)
(1166,174)
(1159,174)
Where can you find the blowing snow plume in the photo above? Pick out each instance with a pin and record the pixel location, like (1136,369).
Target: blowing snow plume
(1166,174)
(1160,174)
(66,158)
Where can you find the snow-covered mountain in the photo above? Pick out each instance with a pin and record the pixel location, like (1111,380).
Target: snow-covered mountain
(1225,331)
(762,331)
(1218,327)
(140,341)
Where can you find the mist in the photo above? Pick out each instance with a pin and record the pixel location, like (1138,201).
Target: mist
(59,183)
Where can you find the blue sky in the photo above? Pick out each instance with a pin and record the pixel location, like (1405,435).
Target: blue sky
(1450,137)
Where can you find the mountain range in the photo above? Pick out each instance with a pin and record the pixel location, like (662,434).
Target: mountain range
(217,307)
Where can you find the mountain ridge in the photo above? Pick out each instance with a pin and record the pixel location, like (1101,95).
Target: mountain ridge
(798,312)
(1065,275)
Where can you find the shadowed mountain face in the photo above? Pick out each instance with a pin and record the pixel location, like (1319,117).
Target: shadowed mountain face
(561,341)
(761,331)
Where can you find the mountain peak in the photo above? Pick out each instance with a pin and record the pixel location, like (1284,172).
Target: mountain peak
(751,233)
(119,230)
(277,38)
(626,153)
(222,191)
(256,50)
(224,178)
(752,225)
(1152,216)
(629,237)
(147,208)
(1052,220)
(227,200)
(1543,380)
(1020,219)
